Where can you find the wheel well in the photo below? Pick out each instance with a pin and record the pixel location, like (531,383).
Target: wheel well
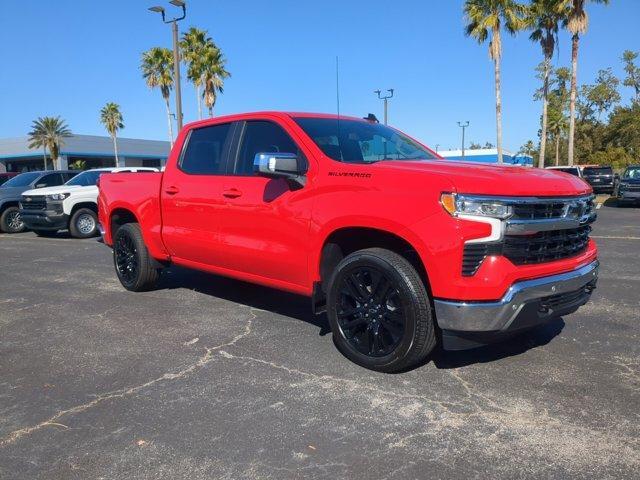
(348,240)
(89,205)
(120,217)
(6,205)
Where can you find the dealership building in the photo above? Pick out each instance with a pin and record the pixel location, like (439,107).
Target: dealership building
(487,155)
(94,151)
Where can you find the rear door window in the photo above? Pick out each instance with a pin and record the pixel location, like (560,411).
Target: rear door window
(206,150)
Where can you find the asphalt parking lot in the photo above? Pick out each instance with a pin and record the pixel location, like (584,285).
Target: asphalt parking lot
(213,378)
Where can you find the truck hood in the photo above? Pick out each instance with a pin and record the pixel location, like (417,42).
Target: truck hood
(482,179)
(56,189)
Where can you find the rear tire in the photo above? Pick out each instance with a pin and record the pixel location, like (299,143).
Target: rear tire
(83,223)
(134,266)
(10,221)
(380,311)
(45,233)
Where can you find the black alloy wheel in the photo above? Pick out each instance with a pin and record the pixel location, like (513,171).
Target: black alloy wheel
(126,255)
(135,268)
(370,312)
(380,311)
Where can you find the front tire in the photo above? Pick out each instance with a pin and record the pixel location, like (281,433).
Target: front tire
(83,223)
(132,261)
(380,311)
(10,221)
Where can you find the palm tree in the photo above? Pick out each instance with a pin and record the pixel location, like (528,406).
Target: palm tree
(38,139)
(157,70)
(485,19)
(576,22)
(193,45)
(111,118)
(557,126)
(213,76)
(49,133)
(544,17)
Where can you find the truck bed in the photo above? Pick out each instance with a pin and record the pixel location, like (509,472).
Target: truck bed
(138,193)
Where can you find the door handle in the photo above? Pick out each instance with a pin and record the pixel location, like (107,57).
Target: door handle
(232,193)
(172,190)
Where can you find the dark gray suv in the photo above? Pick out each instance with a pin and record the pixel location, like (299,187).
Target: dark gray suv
(11,193)
(628,187)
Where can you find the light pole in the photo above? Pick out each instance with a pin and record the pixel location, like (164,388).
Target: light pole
(176,53)
(463,125)
(385,98)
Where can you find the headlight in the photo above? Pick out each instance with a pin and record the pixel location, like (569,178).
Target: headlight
(622,186)
(456,205)
(57,196)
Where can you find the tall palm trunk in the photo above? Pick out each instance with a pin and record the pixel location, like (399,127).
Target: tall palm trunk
(557,150)
(572,102)
(44,156)
(166,100)
(115,148)
(199,102)
(498,109)
(545,103)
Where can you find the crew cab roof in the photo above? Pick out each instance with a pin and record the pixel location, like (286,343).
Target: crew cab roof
(249,115)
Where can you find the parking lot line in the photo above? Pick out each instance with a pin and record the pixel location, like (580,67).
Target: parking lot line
(610,237)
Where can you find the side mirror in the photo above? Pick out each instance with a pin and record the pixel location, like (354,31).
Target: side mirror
(280,165)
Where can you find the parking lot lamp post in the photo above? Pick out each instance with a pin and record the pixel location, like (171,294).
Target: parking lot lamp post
(463,125)
(385,98)
(176,52)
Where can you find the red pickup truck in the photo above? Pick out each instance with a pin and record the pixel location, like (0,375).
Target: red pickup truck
(400,247)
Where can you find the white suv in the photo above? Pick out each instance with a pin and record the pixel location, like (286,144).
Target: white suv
(72,206)
(575,170)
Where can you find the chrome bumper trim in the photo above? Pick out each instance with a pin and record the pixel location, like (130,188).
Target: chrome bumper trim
(500,315)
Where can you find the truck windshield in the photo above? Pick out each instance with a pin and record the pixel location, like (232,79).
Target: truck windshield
(632,173)
(355,141)
(85,179)
(22,180)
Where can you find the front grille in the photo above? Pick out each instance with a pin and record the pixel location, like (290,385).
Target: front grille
(630,188)
(33,203)
(538,211)
(549,209)
(546,246)
(561,226)
(473,256)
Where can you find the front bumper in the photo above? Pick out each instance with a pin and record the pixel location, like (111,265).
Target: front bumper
(526,304)
(44,220)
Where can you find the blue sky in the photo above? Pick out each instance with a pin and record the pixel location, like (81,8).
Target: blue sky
(69,57)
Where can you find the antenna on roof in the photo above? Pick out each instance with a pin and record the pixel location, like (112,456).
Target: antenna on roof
(338,85)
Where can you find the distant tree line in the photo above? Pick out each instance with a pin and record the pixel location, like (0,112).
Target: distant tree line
(586,123)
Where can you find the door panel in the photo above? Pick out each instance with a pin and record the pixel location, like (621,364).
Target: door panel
(192,201)
(265,228)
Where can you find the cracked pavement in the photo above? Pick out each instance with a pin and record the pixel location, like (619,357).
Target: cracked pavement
(213,378)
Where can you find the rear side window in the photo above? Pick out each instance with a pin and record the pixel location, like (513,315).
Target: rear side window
(598,171)
(262,137)
(206,150)
(51,180)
